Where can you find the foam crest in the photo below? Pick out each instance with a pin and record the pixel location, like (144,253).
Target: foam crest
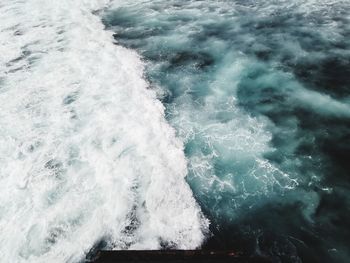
(85,151)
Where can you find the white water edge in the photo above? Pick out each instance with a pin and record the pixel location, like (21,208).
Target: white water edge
(85,151)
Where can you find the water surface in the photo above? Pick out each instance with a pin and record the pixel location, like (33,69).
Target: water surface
(259,94)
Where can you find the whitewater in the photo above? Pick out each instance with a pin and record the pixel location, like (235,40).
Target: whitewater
(86,153)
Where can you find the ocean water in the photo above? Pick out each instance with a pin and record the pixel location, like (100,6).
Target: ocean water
(174,124)
(258,91)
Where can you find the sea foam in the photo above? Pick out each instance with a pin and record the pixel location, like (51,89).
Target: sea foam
(86,154)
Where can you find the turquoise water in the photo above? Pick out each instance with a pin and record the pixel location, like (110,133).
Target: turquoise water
(259,94)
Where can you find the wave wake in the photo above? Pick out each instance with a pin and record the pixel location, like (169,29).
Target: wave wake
(86,154)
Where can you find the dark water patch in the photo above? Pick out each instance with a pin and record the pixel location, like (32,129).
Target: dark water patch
(330,74)
(199,60)
(57,168)
(24,54)
(279,231)
(53,164)
(55,234)
(167,245)
(92,255)
(134,222)
(70,98)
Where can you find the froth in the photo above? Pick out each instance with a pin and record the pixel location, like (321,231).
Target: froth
(85,151)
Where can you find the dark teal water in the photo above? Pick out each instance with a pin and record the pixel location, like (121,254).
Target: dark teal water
(259,91)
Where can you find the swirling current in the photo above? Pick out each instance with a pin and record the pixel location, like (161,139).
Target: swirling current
(259,93)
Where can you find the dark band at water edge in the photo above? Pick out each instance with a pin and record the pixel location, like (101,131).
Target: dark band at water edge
(172,256)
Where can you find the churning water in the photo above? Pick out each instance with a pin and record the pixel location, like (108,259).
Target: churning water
(258,91)
(231,112)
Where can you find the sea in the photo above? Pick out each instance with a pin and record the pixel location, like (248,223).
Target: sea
(173,124)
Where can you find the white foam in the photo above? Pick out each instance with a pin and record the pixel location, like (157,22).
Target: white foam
(85,151)
(322,103)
